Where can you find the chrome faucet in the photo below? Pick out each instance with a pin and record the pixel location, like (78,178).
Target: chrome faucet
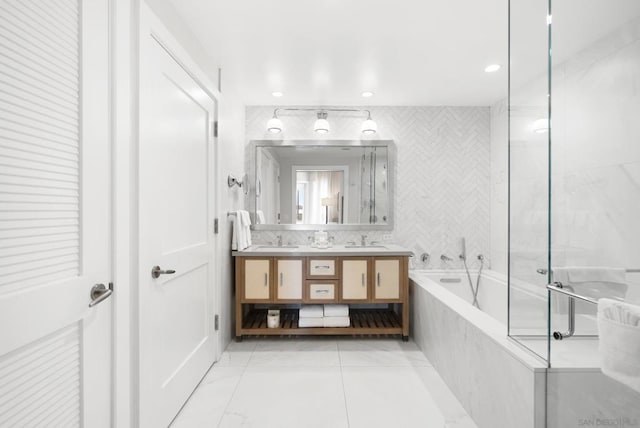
(363,240)
(445,258)
(279,240)
(425,257)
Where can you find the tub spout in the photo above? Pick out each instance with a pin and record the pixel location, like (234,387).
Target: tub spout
(445,258)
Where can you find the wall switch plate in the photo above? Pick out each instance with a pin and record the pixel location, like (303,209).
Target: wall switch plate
(387,237)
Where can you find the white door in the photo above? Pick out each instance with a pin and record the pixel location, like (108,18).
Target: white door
(55,350)
(176,209)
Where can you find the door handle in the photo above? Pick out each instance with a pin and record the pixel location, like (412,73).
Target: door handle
(378,279)
(363,279)
(281,278)
(156,272)
(265,279)
(99,293)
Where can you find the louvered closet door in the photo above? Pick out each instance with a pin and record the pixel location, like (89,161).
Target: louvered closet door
(54,213)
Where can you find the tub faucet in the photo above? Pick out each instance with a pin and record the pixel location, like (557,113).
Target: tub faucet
(445,258)
(425,257)
(279,240)
(363,240)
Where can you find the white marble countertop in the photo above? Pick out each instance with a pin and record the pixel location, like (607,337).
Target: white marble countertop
(335,250)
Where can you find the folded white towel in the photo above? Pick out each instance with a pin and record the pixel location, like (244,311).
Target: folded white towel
(310,322)
(311,311)
(260,217)
(619,344)
(246,224)
(236,231)
(596,282)
(336,310)
(337,321)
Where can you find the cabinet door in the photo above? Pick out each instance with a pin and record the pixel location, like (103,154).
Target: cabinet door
(289,279)
(355,278)
(257,279)
(387,279)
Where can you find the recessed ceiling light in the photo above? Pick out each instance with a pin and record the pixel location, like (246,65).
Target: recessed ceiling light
(491,68)
(367,94)
(277,94)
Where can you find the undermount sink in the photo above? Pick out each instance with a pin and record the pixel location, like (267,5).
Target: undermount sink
(277,246)
(365,246)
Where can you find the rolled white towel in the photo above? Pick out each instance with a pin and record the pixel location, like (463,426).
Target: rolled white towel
(311,311)
(619,344)
(336,310)
(310,322)
(337,321)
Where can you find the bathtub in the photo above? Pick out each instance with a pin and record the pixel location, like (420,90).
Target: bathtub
(499,382)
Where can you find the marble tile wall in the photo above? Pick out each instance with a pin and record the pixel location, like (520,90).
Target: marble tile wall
(442,162)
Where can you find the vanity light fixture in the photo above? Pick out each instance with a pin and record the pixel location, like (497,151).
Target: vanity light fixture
(491,68)
(274,125)
(321,125)
(540,126)
(369,126)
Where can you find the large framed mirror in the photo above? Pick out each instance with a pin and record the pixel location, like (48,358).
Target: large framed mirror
(331,184)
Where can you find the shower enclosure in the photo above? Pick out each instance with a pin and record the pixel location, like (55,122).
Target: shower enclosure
(574,192)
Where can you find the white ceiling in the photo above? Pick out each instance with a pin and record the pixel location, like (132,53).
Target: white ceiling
(326,52)
(408,52)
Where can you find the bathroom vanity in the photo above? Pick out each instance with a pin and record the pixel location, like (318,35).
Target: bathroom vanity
(372,280)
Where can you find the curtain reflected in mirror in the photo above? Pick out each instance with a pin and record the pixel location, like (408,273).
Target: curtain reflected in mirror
(319,196)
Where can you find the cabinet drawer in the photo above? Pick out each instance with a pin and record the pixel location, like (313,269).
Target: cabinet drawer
(322,268)
(321,291)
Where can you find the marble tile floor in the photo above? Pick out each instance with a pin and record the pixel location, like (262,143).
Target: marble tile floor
(323,382)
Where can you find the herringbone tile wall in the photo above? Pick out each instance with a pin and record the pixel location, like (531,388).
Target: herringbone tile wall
(442,192)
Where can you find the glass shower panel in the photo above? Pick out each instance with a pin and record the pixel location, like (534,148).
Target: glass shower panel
(528,174)
(595,203)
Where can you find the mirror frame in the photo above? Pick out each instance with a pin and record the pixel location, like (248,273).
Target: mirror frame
(254,145)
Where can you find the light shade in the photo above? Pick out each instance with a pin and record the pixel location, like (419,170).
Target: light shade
(369,127)
(274,125)
(540,126)
(322,125)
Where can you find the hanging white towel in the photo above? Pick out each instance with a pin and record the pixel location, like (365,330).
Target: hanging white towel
(619,344)
(241,237)
(246,223)
(260,217)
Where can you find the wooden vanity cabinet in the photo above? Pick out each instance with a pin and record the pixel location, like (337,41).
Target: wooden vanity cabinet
(375,287)
(254,278)
(289,279)
(387,277)
(354,283)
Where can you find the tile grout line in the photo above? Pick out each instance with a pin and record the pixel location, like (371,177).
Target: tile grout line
(344,392)
(233,394)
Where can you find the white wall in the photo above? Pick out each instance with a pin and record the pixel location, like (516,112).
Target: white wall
(442,190)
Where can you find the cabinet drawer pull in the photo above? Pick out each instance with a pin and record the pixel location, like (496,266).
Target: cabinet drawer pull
(323,267)
(281,278)
(378,279)
(363,279)
(321,291)
(266,278)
